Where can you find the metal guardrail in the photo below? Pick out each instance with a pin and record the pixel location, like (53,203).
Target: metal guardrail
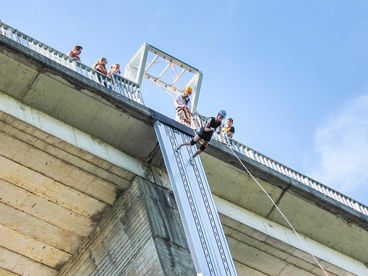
(199,120)
(116,83)
(131,90)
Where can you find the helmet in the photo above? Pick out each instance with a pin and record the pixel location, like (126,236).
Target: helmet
(222,113)
(230,119)
(188,89)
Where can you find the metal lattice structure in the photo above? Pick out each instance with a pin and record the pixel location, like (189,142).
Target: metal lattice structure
(139,67)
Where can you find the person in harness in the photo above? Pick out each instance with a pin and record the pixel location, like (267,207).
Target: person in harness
(183,114)
(205,133)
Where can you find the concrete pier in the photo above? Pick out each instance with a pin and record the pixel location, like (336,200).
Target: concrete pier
(141,235)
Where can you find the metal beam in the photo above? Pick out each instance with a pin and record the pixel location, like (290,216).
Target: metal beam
(138,67)
(202,225)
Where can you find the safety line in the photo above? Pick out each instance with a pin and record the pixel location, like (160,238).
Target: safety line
(278,209)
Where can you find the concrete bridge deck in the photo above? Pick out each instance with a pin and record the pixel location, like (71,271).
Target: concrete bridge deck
(71,149)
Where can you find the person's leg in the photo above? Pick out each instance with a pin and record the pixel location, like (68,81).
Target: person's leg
(190,143)
(201,148)
(188,118)
(179,115)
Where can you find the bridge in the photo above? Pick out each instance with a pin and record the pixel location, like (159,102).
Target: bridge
(90,184)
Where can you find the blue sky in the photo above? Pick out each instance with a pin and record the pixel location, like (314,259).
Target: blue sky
(292,74)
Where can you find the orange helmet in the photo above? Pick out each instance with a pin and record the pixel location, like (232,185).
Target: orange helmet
(188,89)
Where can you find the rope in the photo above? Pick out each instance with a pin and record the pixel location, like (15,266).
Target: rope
(278,209)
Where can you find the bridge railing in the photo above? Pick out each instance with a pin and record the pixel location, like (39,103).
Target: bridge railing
(117,83)
(238,147)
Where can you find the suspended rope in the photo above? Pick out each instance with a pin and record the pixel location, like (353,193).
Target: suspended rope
(277,207)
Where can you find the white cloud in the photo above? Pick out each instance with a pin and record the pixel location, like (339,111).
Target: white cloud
(341,144)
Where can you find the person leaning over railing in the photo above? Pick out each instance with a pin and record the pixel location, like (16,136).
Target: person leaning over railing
(114,69)
(75,53)
(228,129)
(182,104)
(100,66)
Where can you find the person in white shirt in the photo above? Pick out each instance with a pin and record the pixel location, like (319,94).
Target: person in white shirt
(182,104)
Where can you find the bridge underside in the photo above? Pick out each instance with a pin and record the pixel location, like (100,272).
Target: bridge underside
(56,190)
(54,195)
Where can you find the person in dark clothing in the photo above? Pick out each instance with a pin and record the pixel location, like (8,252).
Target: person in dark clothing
(100,66)
(205,133)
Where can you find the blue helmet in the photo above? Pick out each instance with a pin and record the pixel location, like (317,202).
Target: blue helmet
(222,113)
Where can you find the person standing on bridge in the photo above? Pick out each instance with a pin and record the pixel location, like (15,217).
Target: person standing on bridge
(114,69)
(205,133)
(228,129)
(183,114)
(100,66)
(75,53)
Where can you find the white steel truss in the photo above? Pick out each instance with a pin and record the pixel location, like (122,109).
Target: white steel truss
(139,67)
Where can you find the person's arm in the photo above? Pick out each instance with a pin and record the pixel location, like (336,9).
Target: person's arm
(177,102)
(188,105)
(72,56)
(231,132)
(102,69)
(220,129)
(207,127)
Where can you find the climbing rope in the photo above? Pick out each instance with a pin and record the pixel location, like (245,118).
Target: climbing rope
(277,207)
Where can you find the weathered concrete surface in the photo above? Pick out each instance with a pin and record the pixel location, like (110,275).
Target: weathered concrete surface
(257,254)
(141,236)
(167,229)
(144,227)
(52,195)
(29,185)
(12,108)
(323,223)
(52,94)
(258,242)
